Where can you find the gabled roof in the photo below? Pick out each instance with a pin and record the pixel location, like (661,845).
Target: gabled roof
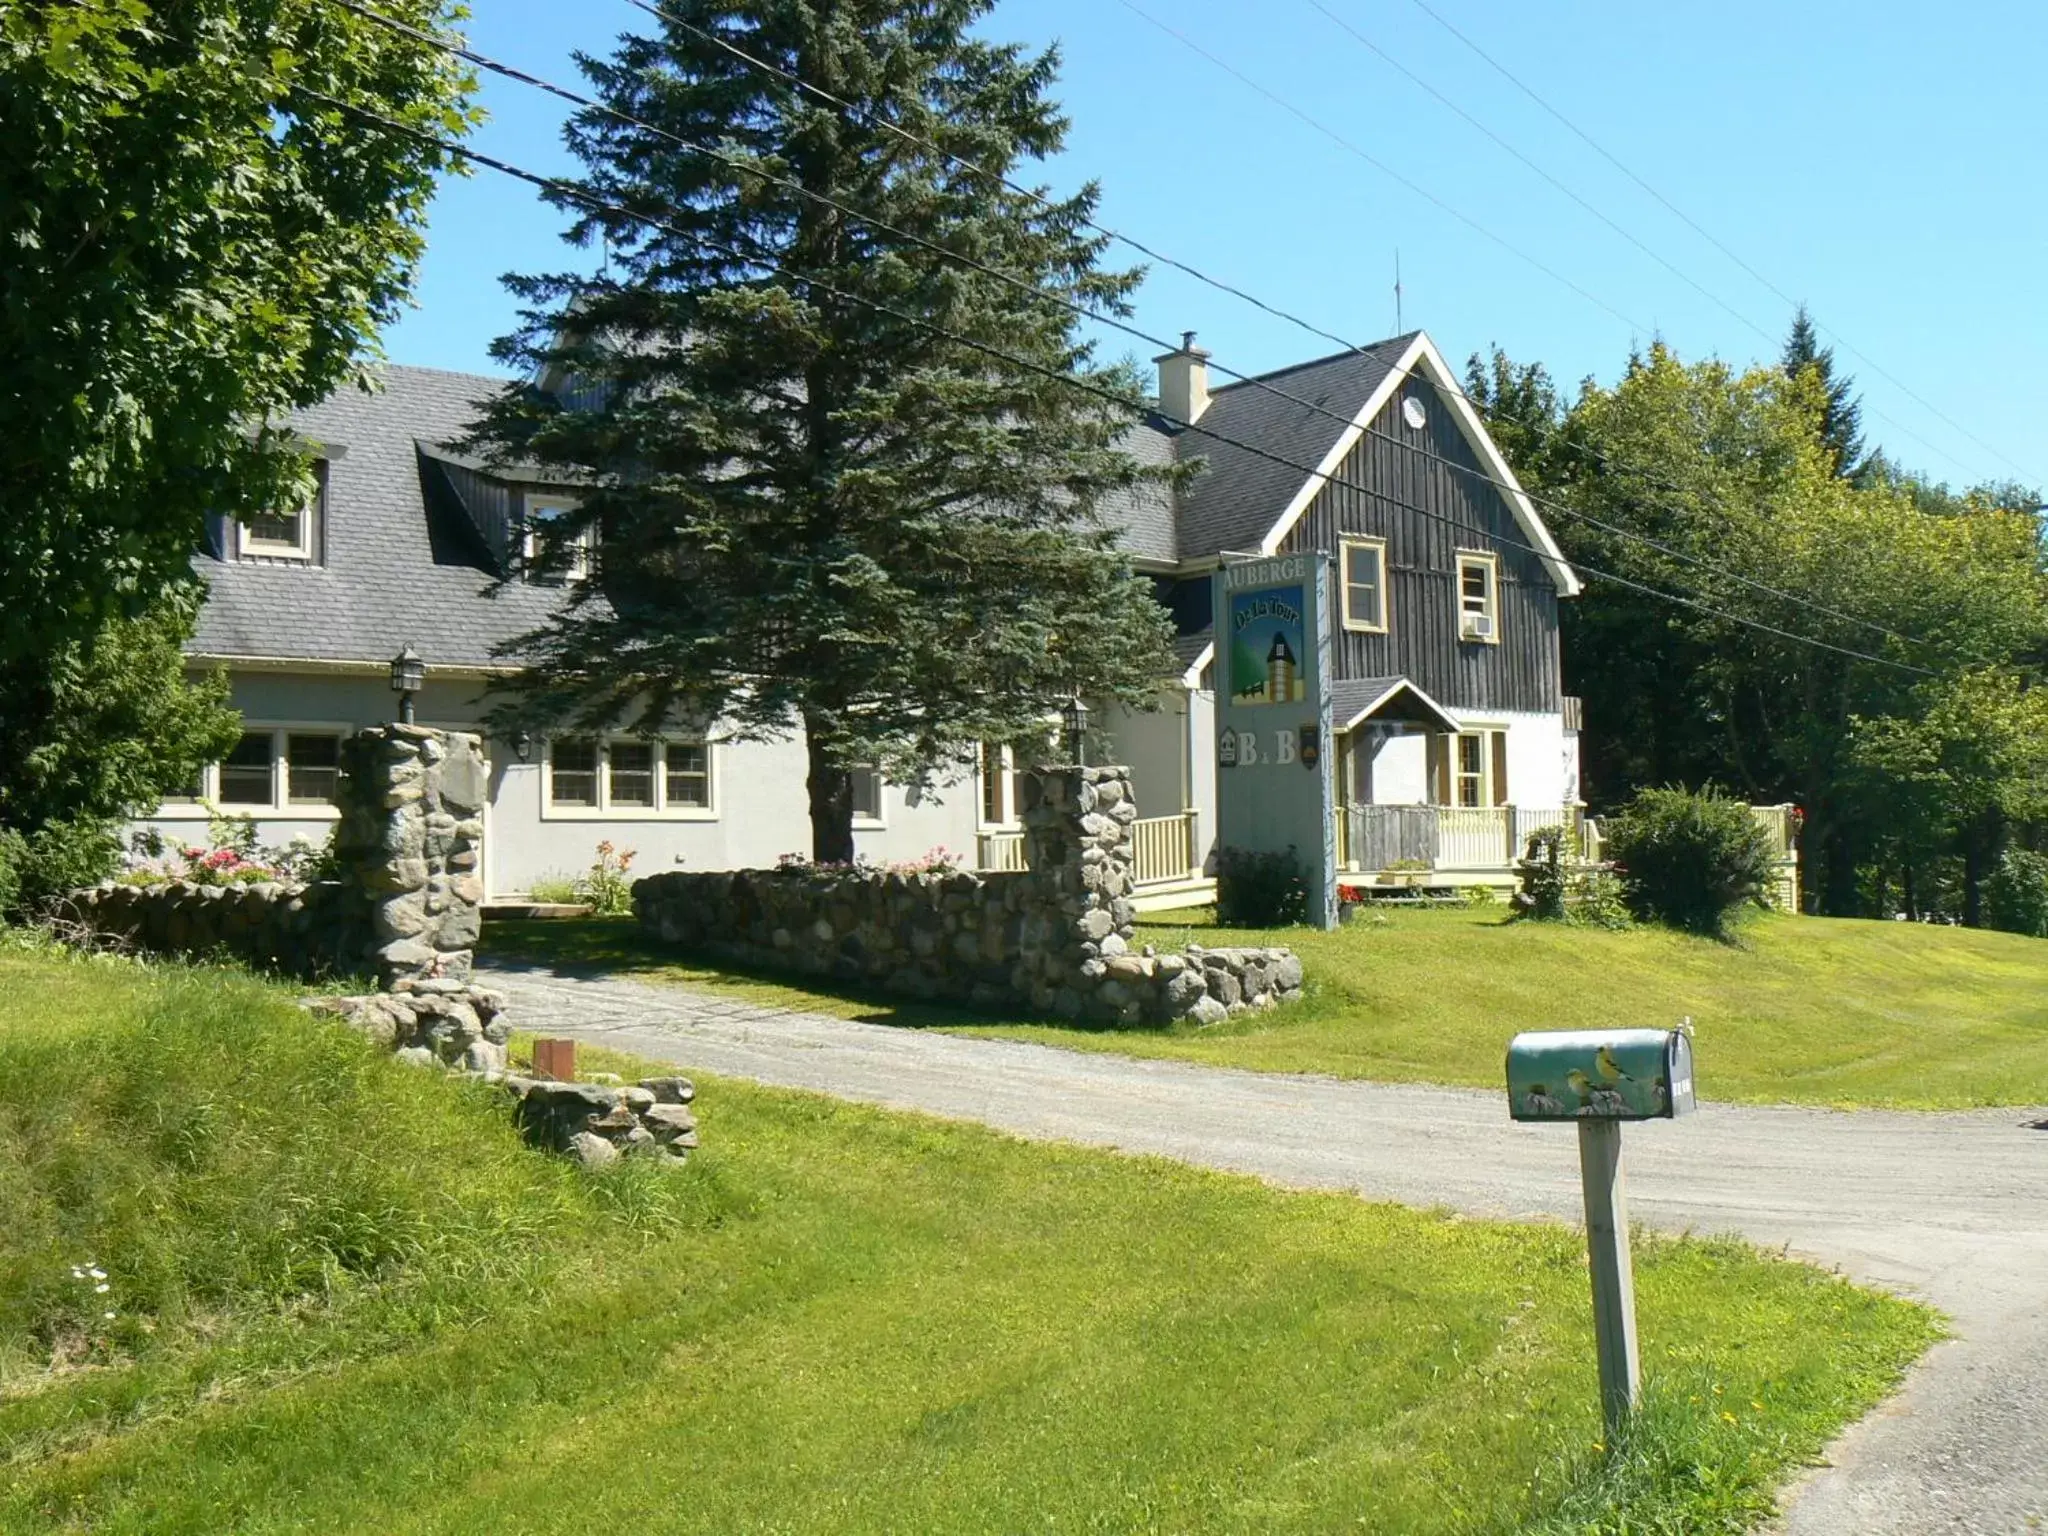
(1235,501)
(1270,442)
(401,564)
(1354,700)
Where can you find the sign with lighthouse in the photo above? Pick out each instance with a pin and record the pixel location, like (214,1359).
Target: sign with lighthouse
(1274,785)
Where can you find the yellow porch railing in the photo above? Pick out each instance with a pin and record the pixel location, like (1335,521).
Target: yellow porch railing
(1162,850)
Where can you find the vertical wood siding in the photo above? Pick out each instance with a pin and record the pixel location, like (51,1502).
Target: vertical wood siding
(1381,483)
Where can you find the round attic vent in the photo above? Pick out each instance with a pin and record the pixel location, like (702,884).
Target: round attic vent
(1413,413)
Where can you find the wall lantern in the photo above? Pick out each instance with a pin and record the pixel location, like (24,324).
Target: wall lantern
(1074,717)
(522,745)
(408,672)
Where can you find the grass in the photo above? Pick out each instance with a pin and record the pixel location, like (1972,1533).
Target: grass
(1827,1011)
(350,1301)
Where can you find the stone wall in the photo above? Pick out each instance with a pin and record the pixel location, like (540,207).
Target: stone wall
(309,931)
(408,902)
(1056,941)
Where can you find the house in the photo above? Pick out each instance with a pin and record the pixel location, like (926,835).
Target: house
(1453,736)
(1452,729)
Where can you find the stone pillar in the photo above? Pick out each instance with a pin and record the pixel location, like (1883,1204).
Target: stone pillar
(411,840)
(1077,838)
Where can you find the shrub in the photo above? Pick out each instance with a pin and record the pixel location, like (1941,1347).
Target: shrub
(39,867)
(1557,891)
(2016,895)
(606,887)
(1690,859)
(1257,889)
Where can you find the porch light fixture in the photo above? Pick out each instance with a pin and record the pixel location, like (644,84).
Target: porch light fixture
(522,745)
(1074,716)
(408,672)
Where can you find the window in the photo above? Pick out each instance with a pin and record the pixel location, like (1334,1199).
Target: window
(632,774)
(627,776)
(1478,608)
(312,769)
(867,794)
(999,806)
(689,776)
(573,764)
(551,552)
(247,773)
(1475,769)
(1365,584)
(191,792)
(285,535)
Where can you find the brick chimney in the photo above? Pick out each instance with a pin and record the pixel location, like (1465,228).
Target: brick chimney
(1184,381)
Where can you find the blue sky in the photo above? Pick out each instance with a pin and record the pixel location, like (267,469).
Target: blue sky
(1882,162)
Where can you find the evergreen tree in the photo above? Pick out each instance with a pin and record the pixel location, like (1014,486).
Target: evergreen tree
(1841,423)
(818,499)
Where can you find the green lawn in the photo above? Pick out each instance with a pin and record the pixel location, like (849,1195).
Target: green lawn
(348,1300)
(1801,1010)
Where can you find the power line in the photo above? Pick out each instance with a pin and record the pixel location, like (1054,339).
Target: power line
(575,193)
(1152,253)
(1032,290)
(1379,165)
(1706,235)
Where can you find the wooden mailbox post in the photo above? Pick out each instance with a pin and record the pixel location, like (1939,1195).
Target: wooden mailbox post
(1599,1079)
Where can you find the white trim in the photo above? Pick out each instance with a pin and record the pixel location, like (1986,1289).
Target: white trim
(1346,542)
(604,810)
(879,822)
(1013,786)
(537,507)
(1192,678)
(321,667)
(1402,685)
(1422,352)
(280,806)
(1485,559)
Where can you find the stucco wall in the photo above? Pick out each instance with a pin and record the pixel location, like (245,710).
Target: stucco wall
(759,807)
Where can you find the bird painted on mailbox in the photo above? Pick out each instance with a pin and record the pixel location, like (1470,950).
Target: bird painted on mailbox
(1610,1069)
(1582,1085)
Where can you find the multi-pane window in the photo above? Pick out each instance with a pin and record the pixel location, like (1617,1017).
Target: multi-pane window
(248,772)
(285,534)
(867,794)
(312,768)
(1365,584)
(554,551)
(628,776)
(1471,768)
(632,774)
(574,772)
(1478,605)
(998,786)
(689,776)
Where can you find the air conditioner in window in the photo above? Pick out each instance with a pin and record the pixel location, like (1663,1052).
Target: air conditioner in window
(1478,626)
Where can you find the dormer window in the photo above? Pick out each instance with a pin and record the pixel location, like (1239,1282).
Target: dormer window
(1478,596)
(284,535)
(553,552)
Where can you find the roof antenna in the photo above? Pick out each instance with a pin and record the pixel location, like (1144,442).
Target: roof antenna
(1399,329)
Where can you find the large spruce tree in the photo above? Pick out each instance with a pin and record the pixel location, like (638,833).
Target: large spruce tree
(1841,421)
(837,481)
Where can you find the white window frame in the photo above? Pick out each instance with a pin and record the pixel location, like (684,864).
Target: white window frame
(1011,782)
(536,510)
(605,810)
(880,820)
(1468,630)
(280,806)
(1345,545)
(249,547)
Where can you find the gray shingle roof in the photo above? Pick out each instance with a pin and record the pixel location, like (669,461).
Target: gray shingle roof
(1351,695)
(1144,516)
(399,567)
(1235,502)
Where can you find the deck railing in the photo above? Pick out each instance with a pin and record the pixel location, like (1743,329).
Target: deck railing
(1162,850)
(1449,837)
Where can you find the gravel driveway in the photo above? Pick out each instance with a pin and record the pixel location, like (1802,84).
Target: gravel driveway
(1952,1208)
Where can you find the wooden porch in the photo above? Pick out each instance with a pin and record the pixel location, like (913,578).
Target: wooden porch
(1163,859)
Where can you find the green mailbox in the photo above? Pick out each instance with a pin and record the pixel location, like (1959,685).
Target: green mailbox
(1600,1074)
